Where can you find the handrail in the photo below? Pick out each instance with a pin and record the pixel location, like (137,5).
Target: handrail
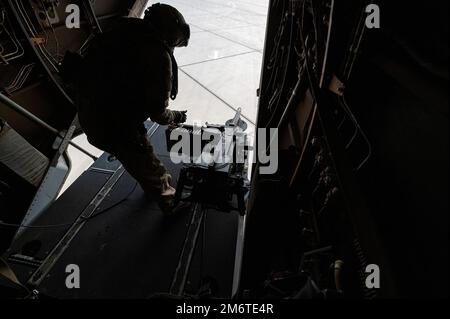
(21,110)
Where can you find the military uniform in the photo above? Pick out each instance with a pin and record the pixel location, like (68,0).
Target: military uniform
(127,77)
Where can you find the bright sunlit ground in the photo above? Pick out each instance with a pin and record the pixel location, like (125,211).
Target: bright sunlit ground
(219,71)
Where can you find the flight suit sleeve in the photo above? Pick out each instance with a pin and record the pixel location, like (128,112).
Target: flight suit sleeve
(158,76)
(164,118)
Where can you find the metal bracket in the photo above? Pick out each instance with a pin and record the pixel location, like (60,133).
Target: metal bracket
(187,253)
(38,41)
(337,86)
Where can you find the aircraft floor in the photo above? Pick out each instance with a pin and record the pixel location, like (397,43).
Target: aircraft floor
(130,251)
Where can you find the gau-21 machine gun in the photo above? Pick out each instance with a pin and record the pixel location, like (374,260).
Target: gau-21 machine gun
(219,183)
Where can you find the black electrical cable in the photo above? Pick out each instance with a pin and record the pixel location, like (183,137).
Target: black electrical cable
(358,127)
(50,24)
(274,58)
(274,55)
(354,45)
(39,53)
(3,224)
(285,56)
(315,89)
(291,13)
(276,98)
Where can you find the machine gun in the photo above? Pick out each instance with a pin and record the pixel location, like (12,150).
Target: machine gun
(214,183)
(219,186)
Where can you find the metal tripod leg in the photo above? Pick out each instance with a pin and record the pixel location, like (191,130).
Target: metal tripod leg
(187,253)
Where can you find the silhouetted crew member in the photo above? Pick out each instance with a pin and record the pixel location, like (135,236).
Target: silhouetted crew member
(128,76)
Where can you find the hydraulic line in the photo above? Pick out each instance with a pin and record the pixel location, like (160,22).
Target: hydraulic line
(40,54)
